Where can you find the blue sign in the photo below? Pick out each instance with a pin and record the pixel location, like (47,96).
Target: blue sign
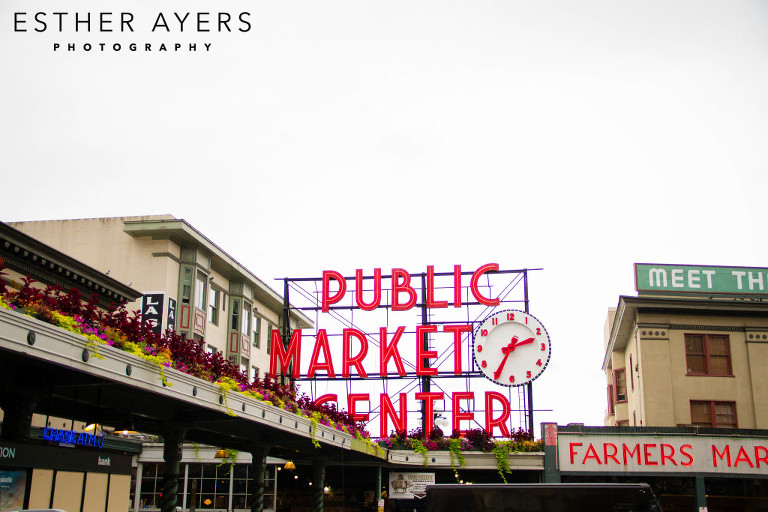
(71,437)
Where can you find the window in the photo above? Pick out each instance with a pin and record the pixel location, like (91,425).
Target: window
(610,399)
(213,306)
(713,414)
(631,374)
(246,327)
(269,338)
(235,314)
(708,354)
(257,332)
(244,365)
(255,373)
(210,349)
(186,286)
(620,384)
(200,283)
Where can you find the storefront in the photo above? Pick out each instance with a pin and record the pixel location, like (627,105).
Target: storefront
(65,475)
(688,468)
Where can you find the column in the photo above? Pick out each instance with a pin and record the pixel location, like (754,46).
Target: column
(700,494)
(318,484)
(18,407)
(173,438)
(258,469)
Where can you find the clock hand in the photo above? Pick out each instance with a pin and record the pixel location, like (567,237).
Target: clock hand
(507,350)
(524,342)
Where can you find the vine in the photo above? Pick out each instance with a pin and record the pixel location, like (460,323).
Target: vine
(418,447)
(501,451)
(226,384)
(454,448)
(313,430)
(231,457)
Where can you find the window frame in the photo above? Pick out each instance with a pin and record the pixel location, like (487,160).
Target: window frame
(707,356)
(214,299)
(616,394)
(712,405)
(611,404)
(257,331)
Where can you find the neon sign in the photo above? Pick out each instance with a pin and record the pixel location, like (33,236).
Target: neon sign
(58,435)
(372,353)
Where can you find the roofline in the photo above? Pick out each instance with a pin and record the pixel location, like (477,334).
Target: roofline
(184,231)
(53,257)
(628,306)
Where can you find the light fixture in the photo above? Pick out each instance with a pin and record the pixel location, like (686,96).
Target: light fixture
(90,426)
(290,465)
(221,453)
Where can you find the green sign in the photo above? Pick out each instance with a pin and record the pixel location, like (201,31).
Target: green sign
(697,279)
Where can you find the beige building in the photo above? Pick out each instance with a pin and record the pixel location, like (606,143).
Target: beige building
(679,355)
(188,282)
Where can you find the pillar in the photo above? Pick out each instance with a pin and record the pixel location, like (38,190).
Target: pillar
(18,407)
(258,468)
(172,446)
(700,493)
(551,470)
(318,484)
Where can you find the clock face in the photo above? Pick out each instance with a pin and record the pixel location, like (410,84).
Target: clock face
(511,347)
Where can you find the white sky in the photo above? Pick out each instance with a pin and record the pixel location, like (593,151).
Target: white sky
(580,137)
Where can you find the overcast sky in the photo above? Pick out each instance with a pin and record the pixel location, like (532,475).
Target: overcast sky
(576,136)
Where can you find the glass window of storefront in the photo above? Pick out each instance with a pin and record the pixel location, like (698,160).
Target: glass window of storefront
(208,486)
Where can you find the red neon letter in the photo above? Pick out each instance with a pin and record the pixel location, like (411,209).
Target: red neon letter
(327,299)
(591,454)
(573,452)
(611,456)
(501,421)
(376,290)
(726,453)
(690,457)
(321,343)
(431,302)
(758,458)
(422,366)
(356,361)
(457,414)
(386,352)
(668,457)
(387,409)
(429,408)
(647,455)
(399,287)
(457,330)
(331,397)
(292,355)
(357,397)
(476,291)
(741,457)
(626,451)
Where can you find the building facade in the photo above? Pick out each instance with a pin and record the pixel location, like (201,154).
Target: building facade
(680,355)
(188,283)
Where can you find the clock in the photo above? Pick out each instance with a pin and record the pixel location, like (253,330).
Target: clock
(511,347)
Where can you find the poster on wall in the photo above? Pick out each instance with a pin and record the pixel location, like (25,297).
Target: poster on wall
(12,487)
(171,323)
(408,486)
(152,310)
